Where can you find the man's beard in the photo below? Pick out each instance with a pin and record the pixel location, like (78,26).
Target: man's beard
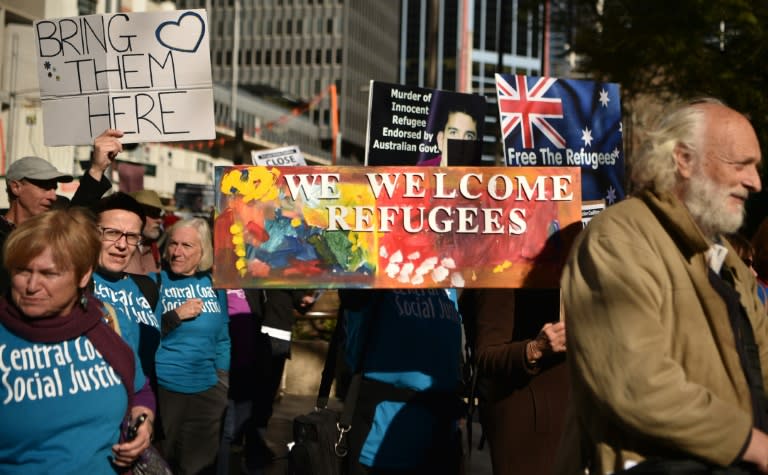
(152,234)
(708,204)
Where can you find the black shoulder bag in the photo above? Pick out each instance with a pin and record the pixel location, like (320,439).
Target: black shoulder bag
(320,437)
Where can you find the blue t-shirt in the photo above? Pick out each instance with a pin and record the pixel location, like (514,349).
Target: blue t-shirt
(134,309)
(188,356)
(61,406)
(138,321)
(415,344)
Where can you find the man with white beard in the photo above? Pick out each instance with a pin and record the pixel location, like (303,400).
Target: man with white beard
(667,343)
(146,259)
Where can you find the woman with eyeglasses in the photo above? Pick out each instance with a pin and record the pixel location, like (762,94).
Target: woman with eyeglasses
(69,381)
(192,361)
(133,297)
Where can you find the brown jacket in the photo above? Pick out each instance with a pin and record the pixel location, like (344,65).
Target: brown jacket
(524,408)
(651,353)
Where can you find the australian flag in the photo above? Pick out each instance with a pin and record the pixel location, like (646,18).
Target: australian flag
(564,122)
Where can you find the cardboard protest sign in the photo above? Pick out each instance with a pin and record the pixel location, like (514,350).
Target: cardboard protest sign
(385,227)
(410,125)
(564,123)
(278,157)
(147,74)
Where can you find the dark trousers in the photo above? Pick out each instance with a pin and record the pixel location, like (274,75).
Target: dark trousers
(264,398)
(257,453)
(236,417)
(192,424)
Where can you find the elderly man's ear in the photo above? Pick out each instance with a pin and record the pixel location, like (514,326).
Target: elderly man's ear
(684,159)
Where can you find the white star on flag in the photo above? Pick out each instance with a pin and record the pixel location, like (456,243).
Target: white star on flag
(604,100)
(586,136)
(610,196)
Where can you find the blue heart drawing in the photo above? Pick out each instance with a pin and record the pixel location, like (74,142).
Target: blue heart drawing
(177,23)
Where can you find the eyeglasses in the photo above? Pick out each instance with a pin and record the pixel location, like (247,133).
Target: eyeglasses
(112,234)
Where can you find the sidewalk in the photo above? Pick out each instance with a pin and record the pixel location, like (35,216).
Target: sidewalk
(279,433)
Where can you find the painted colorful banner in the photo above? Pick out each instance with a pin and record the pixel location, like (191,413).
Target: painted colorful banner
(147,74)
(565,123)
(384,227)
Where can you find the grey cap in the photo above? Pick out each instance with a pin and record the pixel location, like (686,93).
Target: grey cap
(35,168)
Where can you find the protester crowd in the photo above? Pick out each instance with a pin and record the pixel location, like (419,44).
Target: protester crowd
(113,338)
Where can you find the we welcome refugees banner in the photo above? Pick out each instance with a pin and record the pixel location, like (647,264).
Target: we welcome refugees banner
(393,227)
(147,74)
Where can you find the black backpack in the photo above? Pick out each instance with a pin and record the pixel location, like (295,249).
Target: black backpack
(149,287)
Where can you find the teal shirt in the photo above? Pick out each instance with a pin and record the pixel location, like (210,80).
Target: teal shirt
(61,406)
(139,323)
(189,355)
(415,343)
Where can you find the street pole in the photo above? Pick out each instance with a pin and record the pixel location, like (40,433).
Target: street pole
(235,65)
(12,99)
(464,69)
(545,63)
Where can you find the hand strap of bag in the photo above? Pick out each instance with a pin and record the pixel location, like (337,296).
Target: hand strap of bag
(329,368)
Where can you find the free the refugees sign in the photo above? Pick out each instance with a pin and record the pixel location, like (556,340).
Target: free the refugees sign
(147,74)
(393,227)
(565,123)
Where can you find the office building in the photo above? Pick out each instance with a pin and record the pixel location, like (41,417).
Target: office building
(291,51)
(504,36)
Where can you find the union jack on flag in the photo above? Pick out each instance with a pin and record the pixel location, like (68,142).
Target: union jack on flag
(565,122)
(527,107)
